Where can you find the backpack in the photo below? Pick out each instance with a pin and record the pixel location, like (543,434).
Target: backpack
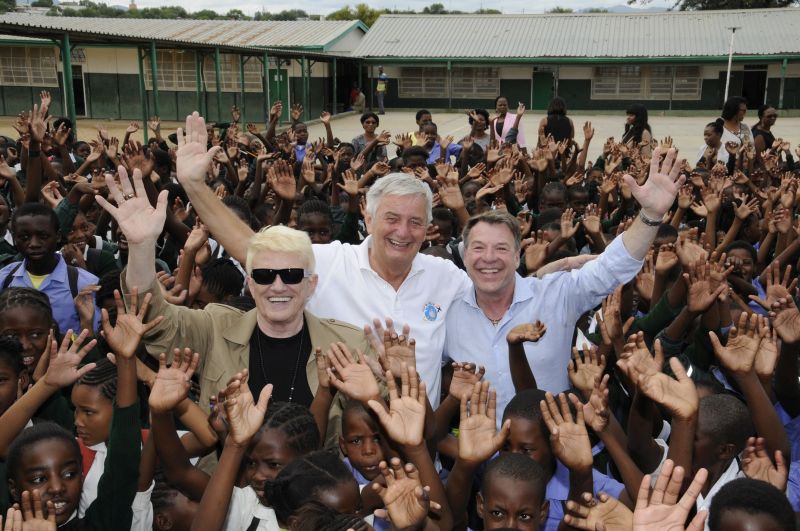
(72,277)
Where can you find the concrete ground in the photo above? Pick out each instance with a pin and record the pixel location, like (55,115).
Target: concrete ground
(686,131)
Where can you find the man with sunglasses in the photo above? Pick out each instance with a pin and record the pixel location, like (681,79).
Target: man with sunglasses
(276,340)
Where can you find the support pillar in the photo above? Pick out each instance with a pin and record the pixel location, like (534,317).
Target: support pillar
(306,99)
(783,82)
(218,79)
(449,85)
(199,88)
(142,92)
(265,88)
(335,97)
(154,75)
(242,61)
(69,95)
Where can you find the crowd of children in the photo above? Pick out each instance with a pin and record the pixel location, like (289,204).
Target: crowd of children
(683,399)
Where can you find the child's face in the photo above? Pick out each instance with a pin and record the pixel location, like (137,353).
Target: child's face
(445,227)
(510,503)
(177,516)
(526,438)
(53,468)
(36,239)
(743,262)
(92,414)
(362,443)
(82,232)
(301,133)
(740,520)
(578,202)
(269,454)
(10,383)
(553,200)
(317,226)
(31,328)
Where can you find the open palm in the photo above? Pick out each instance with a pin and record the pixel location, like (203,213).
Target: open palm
(658,193)
(138,220)
(172,384)
(403,496)
(193,158)
(405,420)
(245,416)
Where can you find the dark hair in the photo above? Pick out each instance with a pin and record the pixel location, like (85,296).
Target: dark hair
(295,125)
(161,158)
(754,497)
(11,353)
(240,206)
(421,113)
(414,151)
(176,190)
(164,494)
(635,130)
(443,214)
(346,145)
(41,431)
(315,206)
(525,405)
(296,423)
(222,278)
(314,516)
(741,244)
(302,479)
(367,115)
(108,283)
(763,108)
(482,112)
(557,106)
(665,230)
(35,209)
(104,376)
(716,126)
(495,218)
(518,467)
(498,98)
(726,419)
(67,125)
(26,297)
(731,107)
(575,190)
(554,187)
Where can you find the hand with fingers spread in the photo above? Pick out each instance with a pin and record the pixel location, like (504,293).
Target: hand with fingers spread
(785,318)
(526,332)
(612,328)
(568,226)
(569,439)
(666,259)
(351,377)
(399,350)
(767,355)
(465,376)
(701,295)
(34,515)
(172,384)
(738,355)
(602,513)
(688,248)
(245,416)
(661,510)
(405,500)
(63,361)
(756,464)
(193,158)
(777,287)
(478,438)
(584,369)
(123,338)
(404,422)
(596,413)
(535,249)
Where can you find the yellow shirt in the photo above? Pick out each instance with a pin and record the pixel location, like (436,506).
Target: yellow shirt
(36,280)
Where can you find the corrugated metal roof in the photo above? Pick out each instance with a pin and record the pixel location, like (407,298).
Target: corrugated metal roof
(245,33)
(667,34)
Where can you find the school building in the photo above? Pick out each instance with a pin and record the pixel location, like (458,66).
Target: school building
(668,60)
(134,68)
(131,69)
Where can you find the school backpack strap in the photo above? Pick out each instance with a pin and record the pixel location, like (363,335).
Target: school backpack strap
(72,278)
(10,277)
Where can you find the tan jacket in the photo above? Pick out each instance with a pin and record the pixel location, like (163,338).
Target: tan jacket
(221,335)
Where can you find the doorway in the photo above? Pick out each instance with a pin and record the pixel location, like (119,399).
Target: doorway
(279,90)
(79,90)
(754,84)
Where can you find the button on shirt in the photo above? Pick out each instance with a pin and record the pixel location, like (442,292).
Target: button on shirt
(56,287)
(557,300)
(349,290)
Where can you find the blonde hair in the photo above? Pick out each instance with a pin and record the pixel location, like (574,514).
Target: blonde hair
(280,238)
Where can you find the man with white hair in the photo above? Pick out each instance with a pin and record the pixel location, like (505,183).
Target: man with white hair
(384,276)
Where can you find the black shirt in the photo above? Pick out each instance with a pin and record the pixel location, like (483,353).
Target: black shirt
(769,138)
(278,361)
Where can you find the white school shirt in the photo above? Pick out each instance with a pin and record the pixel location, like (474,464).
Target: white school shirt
(90,482)
(244,507)
(557,300)
(734,471)
(349,290)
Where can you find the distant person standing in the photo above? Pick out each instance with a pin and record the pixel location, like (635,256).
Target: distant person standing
(357,99)
(380,88)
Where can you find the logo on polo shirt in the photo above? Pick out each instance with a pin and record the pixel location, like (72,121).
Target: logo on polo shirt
(431,311)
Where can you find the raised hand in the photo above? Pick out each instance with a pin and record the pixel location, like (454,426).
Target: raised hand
(584,370)
(62,369)
(603,512)
(767,355)
(661,510)
(756,464)
(172,384)
(738,355)
(688,248)
(450,192)
(777,287)
(596,413)
(569,439)
(245,416)
(478,438)
(701,294)
(404,422)
(193,158)
(123,338)
(535,249)
(405,499)
(568,226)
(785,318)
(282,181)
(658,192)
(399,350)
(465,376)
(295,112)
(136,217)
(33,514)
(591,219)
(349,184)
(351,377)
(526,332)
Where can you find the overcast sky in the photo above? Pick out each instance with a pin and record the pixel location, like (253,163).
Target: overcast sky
(322,7)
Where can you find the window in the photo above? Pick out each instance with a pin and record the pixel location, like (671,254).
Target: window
(419,82)
(646,82)
(175,70)
(21,66)
(475,82)
(229,70)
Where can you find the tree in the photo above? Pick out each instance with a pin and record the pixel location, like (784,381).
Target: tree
(703,5)
(42,3)
(435,9)
(237,14)
(205,14)
(362,12)
(485,11)
(559,9)
(7,5)
(595,10)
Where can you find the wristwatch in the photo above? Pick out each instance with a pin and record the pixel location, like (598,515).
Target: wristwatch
(649,221)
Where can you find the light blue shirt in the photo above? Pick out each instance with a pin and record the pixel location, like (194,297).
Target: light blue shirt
(453,151)
(56,287)
(558,492)
(557,300)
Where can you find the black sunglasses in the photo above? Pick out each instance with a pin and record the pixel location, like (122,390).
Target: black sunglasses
(292,275)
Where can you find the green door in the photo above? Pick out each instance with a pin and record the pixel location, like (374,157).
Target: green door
(279,90)
(542,88)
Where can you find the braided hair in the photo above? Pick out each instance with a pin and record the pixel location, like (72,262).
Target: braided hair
(104,376)
(11,354)
(296,423)
(314,516)
(303,479)
(164,494)
(11,298)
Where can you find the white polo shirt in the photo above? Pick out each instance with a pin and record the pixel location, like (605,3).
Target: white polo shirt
(349,290)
